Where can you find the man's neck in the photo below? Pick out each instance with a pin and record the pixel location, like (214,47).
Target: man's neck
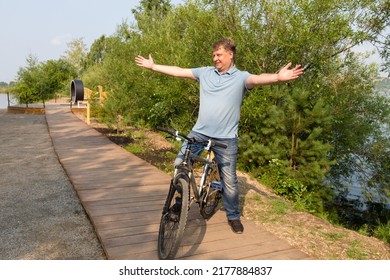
(221,72)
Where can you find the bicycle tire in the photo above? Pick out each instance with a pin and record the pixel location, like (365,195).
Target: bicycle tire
(209,203)
(173,222)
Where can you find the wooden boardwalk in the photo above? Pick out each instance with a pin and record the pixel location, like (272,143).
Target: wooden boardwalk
(123,196)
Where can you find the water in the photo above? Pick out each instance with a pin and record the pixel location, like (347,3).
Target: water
(358,205)
(4,100)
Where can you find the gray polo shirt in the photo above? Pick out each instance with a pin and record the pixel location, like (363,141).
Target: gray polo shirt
(220,101)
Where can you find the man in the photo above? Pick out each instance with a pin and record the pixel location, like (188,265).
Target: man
(222,89)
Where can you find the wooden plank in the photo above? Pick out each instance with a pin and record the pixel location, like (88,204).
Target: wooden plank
(122,217)
(99,194)
(124,201)
(152,218)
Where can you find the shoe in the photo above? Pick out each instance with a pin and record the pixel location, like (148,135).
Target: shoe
(236,226)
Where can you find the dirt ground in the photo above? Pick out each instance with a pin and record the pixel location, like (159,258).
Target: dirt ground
(41,216)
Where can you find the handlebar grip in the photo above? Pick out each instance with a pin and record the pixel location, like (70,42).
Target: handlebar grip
(221,145)
(307,66)
(167,130)
(214,143)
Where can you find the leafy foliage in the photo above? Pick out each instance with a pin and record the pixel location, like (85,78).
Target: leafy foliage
(40,81)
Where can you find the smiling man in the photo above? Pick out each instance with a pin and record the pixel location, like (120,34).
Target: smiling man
(222,89)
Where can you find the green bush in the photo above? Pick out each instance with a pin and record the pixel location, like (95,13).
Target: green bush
(383,232)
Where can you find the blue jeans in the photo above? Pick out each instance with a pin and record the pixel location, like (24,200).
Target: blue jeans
(227,161)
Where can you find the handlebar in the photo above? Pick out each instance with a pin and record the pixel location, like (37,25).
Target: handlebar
(306,66)
(214,143)
(210,143)
(168,130)
(173,132)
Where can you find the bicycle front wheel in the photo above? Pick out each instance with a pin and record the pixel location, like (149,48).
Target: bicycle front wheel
(173,220)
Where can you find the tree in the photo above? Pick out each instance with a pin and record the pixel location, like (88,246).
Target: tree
(76,54)
(40,81)
(56,75)
(26,85)
(157,8)
(96,52)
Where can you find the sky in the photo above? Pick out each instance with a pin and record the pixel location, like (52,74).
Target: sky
(43,28)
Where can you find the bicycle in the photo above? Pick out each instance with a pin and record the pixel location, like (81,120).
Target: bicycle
(207,193)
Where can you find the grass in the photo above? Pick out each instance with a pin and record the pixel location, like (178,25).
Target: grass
(135,149)
(279,207)
(356,251)
(334,236)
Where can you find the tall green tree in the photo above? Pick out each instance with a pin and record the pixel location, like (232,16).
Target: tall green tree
(26,88)
(76,54)
(96,52)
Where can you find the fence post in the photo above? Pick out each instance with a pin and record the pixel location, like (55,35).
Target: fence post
(88,113)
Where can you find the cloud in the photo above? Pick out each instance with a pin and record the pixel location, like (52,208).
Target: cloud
(60,39)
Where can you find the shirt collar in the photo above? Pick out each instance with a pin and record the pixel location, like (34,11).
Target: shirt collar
(229,72)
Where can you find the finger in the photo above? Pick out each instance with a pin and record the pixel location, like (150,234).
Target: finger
(139,58)
(287,65)
(297,66)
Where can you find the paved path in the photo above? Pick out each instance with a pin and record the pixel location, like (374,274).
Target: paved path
(123,196)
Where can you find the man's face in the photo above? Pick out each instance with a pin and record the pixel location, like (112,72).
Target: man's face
(223,59)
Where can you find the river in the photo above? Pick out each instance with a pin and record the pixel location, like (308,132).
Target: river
(357,180)
(4,100)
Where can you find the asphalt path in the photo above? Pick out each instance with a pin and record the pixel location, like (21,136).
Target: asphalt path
(41,217)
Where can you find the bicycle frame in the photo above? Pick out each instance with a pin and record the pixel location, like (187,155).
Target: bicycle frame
(185,169)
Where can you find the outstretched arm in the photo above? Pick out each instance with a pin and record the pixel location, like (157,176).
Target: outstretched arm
(165,69)
(283,75)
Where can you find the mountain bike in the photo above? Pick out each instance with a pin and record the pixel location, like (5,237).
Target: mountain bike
(206,191)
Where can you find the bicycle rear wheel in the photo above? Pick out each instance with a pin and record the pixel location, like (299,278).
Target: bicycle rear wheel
(173,220)
(209,203)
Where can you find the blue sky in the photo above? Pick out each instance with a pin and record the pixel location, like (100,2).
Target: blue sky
(44,27)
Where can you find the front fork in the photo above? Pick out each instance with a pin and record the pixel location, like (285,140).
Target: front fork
(171,193)
(178,173)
